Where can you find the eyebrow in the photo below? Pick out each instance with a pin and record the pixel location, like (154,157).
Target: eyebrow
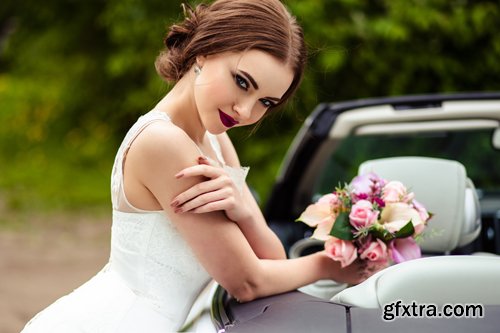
(256,86)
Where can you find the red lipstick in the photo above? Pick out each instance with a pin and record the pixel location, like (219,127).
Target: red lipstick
(227,120)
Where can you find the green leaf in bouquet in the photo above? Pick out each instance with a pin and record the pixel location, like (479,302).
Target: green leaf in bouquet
(382,234)
(405,231)
(342,228)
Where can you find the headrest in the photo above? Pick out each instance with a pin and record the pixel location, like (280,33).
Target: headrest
(443,188)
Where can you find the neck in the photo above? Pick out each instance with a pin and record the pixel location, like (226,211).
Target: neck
(180,106)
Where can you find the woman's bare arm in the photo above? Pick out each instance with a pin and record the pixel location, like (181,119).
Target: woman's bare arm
(263,240)
(220,245)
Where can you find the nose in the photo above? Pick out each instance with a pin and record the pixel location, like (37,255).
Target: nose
(243,108)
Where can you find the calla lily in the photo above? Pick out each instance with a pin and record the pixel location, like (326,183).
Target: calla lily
(330,198)
(396,215)
(321,216)
(424,214)
(322,231)
(403,249)
(315,214)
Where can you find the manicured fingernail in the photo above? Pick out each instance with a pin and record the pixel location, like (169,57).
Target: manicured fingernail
(178,210)
(179,175)
(174,203)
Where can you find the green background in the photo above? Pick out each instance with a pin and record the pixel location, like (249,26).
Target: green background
(74,75)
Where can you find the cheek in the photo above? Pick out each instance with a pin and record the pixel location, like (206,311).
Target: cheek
(258,113)
(215,89)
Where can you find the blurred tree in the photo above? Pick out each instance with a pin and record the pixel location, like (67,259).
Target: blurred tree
(74,75)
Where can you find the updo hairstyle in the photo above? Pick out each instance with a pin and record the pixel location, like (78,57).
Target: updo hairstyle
(233,26)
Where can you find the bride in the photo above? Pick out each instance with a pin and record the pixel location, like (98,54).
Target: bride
(182,213)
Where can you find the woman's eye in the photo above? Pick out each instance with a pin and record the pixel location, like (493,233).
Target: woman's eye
(241,82)
(267,103)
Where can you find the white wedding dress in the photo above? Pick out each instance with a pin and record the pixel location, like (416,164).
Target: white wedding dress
(152,277)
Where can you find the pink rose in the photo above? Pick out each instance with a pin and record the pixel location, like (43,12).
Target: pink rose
(403,249)
(362,214)
(395,191)
(341,250)
(375,251)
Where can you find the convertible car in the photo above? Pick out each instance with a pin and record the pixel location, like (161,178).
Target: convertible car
(446,148)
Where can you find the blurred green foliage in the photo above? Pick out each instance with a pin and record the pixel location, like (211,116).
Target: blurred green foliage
(75,74)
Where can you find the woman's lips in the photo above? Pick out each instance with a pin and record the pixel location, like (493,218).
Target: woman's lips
(226,119)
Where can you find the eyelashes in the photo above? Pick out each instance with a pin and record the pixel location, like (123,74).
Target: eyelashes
(242,83)
(267,103)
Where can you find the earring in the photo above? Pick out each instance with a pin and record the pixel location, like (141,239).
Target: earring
(197,70)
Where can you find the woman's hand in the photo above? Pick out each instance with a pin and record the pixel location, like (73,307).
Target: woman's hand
(217,193)
(354,273)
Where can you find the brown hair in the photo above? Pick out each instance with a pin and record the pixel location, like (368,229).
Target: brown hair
(233,26)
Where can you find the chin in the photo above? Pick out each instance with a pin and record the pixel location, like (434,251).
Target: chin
(216,129)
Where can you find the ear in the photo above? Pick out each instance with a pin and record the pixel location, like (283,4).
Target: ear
(200,60)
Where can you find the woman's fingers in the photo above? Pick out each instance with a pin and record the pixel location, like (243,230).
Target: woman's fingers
(200,189)
(200,170)
(204,168)
(370,268)
(214,206)
(217,193)
(355,273)
(203,160)
(211,201)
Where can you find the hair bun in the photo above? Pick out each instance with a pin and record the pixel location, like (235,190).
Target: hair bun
(181,33)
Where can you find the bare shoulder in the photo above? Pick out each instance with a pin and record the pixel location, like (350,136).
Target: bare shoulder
(159,152)
(163,142)
(162,138)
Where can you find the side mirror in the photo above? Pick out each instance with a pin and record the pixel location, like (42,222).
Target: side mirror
(495,139)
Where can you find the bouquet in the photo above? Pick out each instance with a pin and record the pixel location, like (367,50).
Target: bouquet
(371,219)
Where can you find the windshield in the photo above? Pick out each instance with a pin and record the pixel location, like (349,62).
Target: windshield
(472,148)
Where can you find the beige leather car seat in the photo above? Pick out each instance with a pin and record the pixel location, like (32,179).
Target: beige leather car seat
(444,189)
